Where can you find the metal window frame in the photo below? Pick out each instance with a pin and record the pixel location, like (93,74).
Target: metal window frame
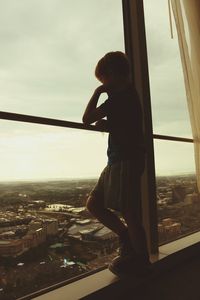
(135,47)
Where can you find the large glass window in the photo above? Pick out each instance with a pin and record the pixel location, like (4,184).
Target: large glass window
(168,98)
(177,194)
(49,50)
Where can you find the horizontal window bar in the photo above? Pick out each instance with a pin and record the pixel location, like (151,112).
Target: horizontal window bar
(61,123)
(46,121)
(172,138)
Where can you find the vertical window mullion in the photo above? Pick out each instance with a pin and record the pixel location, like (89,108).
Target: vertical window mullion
(135,47)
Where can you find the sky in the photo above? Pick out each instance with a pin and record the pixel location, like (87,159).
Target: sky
(49,49)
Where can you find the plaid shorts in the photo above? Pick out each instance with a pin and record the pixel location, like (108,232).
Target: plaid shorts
(119,185)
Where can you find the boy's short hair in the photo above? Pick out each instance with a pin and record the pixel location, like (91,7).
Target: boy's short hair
(114,64)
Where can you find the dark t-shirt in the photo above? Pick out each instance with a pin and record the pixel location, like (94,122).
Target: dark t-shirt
(124,116)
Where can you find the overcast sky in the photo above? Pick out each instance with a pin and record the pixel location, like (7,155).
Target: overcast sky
(49,49)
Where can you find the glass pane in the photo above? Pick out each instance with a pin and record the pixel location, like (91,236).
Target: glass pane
(49,50)
(32,152)
(46,233)
(178,200)
(169,104)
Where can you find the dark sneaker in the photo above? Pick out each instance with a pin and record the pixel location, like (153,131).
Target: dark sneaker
(130,266)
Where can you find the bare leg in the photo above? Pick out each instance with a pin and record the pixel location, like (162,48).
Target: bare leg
(105,216)
(136,233)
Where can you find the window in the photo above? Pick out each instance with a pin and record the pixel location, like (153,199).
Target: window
(177,195)
(168,98)
(48,54)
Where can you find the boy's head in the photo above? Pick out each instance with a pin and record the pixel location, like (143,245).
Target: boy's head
(113,67)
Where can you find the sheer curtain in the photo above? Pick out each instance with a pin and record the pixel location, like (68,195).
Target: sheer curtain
(187,19)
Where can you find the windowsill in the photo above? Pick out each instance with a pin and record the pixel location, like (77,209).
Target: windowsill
(82,287)
(180,244)
(169,255)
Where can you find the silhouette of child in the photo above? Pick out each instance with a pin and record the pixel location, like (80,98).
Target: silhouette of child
(118,187)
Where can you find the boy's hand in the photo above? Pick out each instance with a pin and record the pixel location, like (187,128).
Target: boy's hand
(92,112)
(102,124)
(101,89)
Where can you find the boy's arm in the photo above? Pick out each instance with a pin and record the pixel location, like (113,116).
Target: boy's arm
(92,112)
(102,125)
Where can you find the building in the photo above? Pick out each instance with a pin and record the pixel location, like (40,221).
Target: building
(168,229)
(11,248)
(39,231)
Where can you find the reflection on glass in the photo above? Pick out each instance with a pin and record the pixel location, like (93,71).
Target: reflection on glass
(46,233)
(178,200)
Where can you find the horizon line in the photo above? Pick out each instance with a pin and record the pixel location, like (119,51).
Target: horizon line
(81,178)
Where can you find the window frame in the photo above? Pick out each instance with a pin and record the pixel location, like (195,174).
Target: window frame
(135,46)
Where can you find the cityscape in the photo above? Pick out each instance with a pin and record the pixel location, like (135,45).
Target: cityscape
(178,207)
(47,235)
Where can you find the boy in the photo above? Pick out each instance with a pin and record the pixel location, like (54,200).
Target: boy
(118,188)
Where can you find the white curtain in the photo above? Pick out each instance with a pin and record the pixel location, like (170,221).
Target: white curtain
(187,19)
